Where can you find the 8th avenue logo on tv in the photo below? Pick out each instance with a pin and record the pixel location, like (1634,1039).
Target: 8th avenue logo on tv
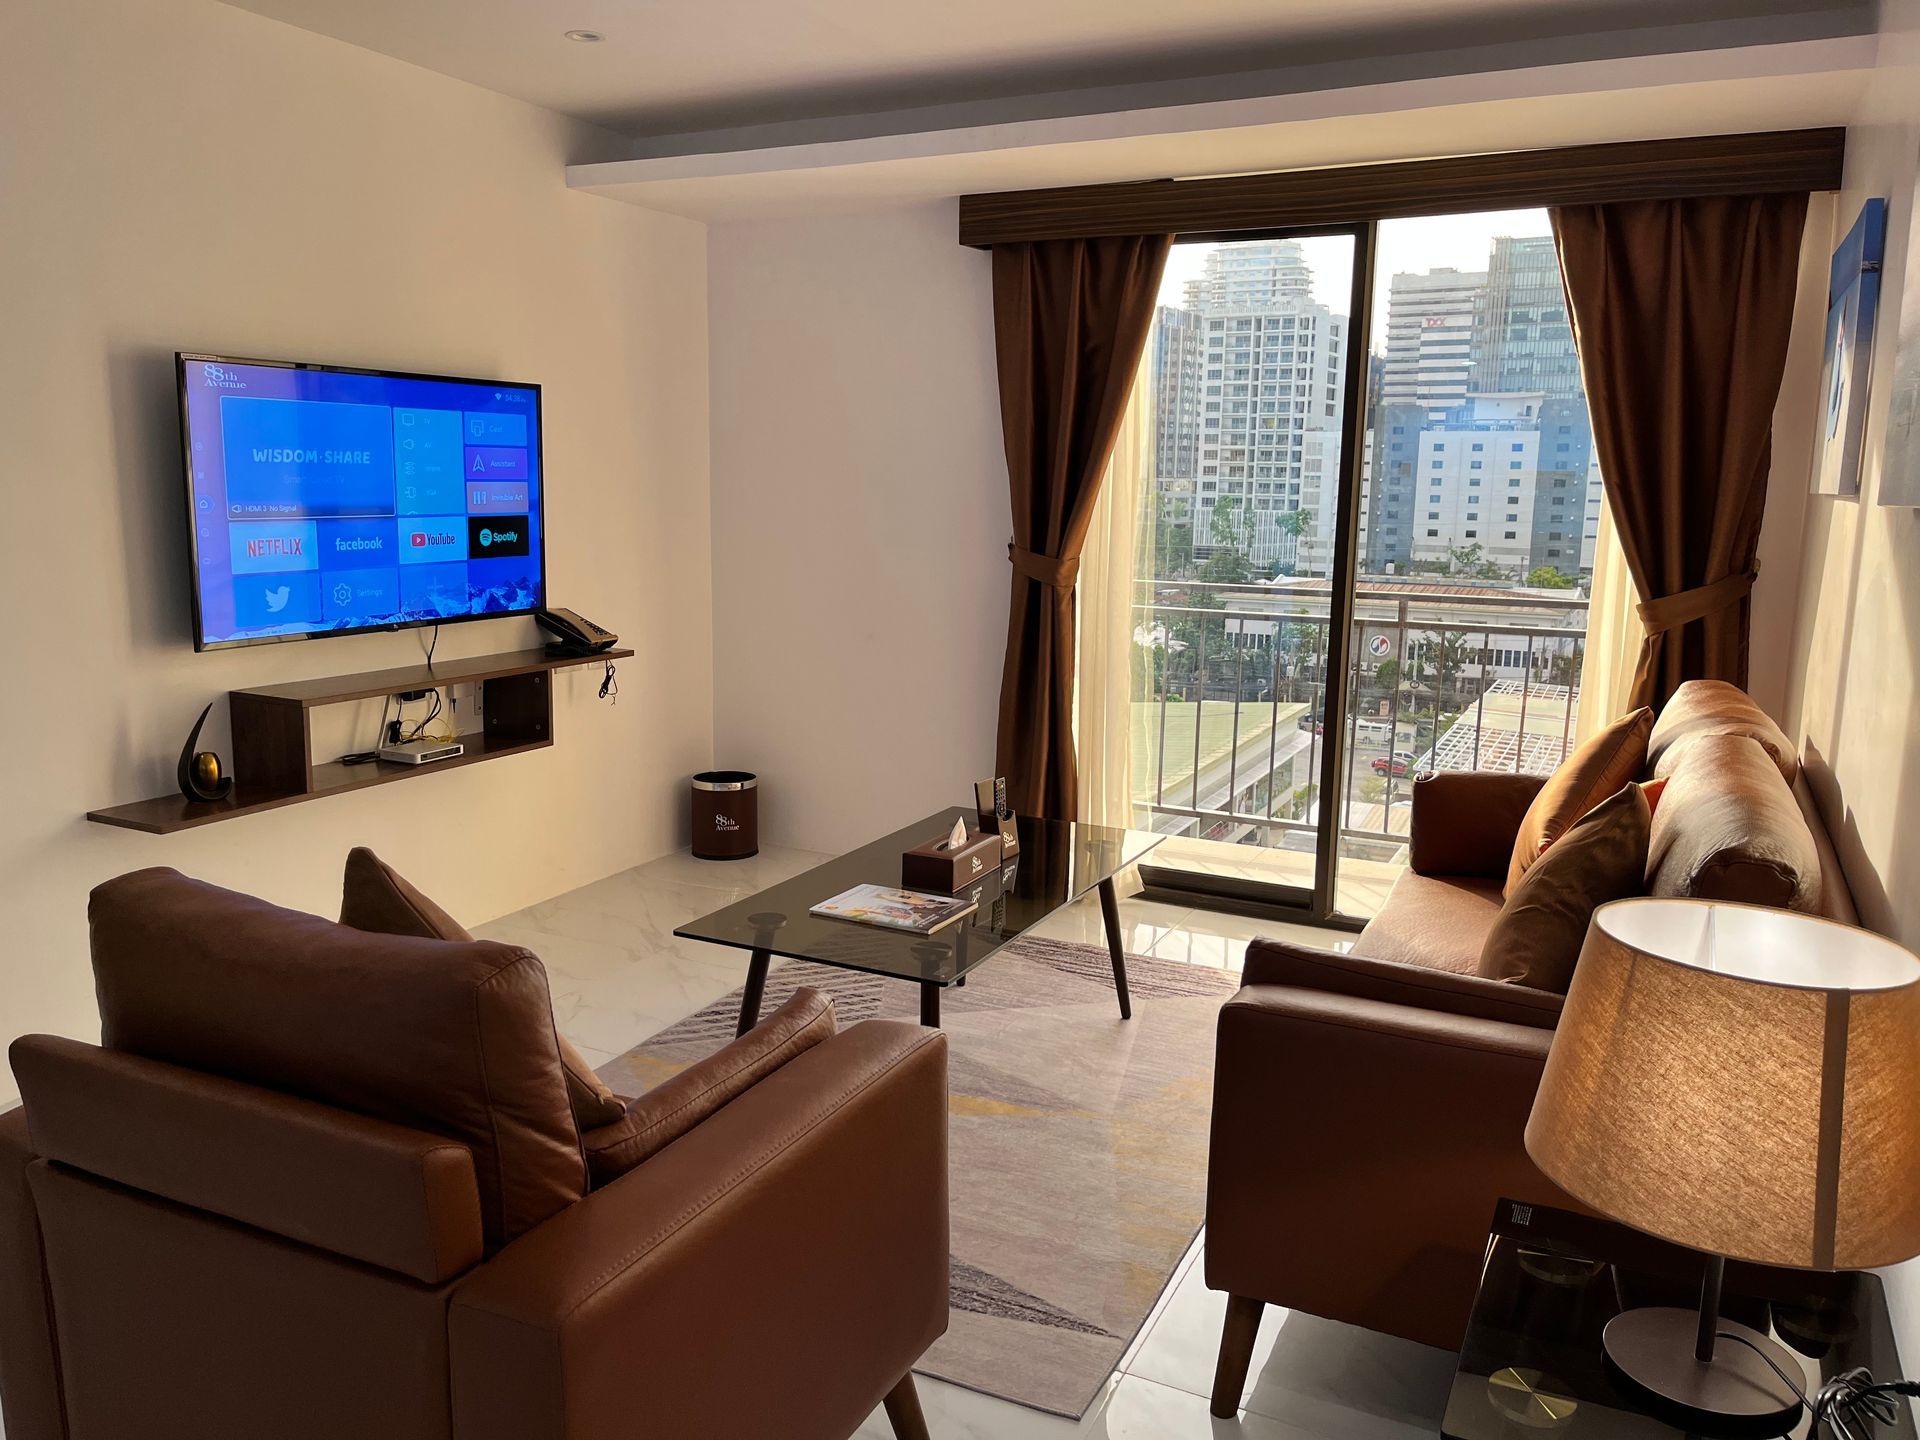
(491,536)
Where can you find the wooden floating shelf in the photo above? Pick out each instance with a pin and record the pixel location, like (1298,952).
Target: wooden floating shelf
(272,737)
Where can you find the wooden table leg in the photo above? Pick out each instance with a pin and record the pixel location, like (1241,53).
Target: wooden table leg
(756,986)
(930,1005)
(1110,912)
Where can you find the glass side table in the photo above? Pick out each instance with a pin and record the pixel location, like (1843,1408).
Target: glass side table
(1532,1365)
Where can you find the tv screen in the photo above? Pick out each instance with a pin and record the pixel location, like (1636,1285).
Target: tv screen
(325,501)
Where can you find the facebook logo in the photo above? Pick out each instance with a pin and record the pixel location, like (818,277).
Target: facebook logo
(355,544)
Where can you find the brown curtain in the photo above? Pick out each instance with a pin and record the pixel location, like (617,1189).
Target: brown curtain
(1682,309)
(1070,320)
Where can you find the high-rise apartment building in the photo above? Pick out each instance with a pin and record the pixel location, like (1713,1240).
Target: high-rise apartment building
(1430,330)
(1250,276)
(1175,376)
(1522,338)
(1270,406)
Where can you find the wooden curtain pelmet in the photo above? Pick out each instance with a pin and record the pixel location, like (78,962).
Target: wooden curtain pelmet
(1770,163)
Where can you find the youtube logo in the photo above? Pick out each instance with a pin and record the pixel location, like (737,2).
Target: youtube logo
(434,540)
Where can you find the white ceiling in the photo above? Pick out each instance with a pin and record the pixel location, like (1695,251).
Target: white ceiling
(679,65)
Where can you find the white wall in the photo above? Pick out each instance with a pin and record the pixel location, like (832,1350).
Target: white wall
(179,174)
(860,518)
(1856,646)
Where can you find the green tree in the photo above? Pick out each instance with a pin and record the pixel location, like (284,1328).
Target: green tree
(1545,577)
(1449,651)
(1471,562)
(1226,567)
(1387,674)
(1232,524)
(1173,550)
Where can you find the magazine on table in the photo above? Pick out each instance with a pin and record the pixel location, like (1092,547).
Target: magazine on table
(914,911)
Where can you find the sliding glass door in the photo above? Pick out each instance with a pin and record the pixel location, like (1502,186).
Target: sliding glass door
(1255,369)
(1368,532)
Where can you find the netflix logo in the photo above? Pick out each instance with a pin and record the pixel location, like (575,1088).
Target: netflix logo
(260,546)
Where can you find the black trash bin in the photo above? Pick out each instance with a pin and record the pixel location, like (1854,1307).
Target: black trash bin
(726,814)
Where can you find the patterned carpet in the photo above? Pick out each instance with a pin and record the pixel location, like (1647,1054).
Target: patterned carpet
(1078,1145)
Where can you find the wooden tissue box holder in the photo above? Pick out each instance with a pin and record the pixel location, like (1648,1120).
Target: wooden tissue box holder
(933,867)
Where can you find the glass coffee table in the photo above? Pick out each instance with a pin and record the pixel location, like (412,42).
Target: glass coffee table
(1059,862)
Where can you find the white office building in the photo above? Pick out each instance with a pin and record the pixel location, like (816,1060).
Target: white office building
(1430,337)
(1475,482)
(1271,405)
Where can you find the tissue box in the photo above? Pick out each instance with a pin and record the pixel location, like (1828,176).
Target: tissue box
(933,867)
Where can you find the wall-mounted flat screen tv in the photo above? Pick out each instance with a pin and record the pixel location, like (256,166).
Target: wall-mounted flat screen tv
(327,501)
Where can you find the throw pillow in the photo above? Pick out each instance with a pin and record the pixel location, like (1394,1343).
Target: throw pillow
(1589,775)
(677,1105)
(377,899)
(1537,936)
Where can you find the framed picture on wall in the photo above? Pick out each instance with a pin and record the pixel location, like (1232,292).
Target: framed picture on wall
(1853,295)
(1900,470)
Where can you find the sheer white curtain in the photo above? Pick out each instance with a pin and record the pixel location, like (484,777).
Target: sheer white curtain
(1122,533)
(1614,633)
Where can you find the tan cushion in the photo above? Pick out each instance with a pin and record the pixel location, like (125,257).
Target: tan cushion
(1542,926)
(377,898)
(1592,773)
(1713,707)
(448,1037)
(1432,920)
(677,1105)
(1728,828)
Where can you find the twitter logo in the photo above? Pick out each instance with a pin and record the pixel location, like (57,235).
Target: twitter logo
(277,599)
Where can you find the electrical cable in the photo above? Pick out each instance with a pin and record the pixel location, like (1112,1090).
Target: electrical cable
(1851,1398)
(609,686)
(420,729)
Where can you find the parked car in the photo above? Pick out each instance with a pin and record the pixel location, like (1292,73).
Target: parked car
(1312,722)
(1400,764)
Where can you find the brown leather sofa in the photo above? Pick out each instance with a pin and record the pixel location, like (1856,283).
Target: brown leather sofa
(1368,1108)
(318,1183)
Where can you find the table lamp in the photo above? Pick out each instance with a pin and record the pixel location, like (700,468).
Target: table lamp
(1745,1082)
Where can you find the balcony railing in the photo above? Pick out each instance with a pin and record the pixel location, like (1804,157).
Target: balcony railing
(1229,689)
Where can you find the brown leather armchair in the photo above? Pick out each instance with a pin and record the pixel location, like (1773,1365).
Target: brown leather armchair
(1368,1109)
(318,1183)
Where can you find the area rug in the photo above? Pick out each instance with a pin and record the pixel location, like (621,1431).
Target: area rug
(1078,1149)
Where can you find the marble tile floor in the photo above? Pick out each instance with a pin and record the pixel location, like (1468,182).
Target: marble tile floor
(618,975)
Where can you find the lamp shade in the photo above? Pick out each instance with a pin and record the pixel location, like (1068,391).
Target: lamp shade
(1740,1080)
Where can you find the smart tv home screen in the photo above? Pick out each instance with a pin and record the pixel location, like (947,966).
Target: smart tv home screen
(326,501)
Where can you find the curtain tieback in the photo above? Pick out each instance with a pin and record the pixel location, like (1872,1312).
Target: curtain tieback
(1669,612)
(1058,574)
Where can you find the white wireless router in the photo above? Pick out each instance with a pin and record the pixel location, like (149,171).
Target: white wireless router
(420,752)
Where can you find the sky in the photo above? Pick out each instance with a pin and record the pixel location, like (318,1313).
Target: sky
(1419,244)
